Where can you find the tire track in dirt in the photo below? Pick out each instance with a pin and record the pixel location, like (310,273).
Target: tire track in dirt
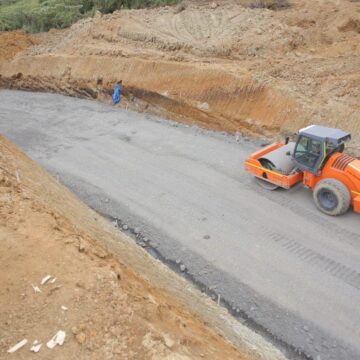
(315,259)
(330,228)
(304,253)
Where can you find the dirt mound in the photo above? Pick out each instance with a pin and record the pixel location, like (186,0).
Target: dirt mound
(221,65)
(14,42)
(351,24)
(104,307)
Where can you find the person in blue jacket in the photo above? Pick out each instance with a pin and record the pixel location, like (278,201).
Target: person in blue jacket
(116,96)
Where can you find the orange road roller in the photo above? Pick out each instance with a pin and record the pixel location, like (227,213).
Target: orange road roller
(316,159)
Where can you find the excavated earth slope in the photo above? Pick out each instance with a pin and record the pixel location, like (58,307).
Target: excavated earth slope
(224,66)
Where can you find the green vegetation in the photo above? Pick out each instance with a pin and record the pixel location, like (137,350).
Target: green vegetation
(42,15)
(270,4)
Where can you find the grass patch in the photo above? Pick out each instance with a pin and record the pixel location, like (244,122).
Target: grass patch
(270,4)
(42,15)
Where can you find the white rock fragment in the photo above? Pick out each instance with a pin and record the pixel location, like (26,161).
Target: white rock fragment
(58,339)
(63,307)
(18,346)
(182,268)
(17,177)
(36,289)
(45,279)
(36,348)
(52,280)
(203,106)
(51,343)
(61,337)
(169,342)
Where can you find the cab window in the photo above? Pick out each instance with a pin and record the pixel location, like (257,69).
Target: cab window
(307,151)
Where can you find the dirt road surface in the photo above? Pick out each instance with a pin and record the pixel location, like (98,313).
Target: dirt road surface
(284,269)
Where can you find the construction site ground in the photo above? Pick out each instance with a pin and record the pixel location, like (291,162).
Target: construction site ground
(98,298)
(233,72)
(279,265)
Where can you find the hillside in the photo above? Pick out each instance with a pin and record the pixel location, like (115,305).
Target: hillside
(221,65)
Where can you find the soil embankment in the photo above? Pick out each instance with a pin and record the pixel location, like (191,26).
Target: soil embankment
(222,66)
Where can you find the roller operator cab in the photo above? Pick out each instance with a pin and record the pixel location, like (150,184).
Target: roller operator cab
(314,146)
(317,160)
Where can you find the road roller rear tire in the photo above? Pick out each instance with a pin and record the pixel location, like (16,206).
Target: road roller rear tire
(332,197)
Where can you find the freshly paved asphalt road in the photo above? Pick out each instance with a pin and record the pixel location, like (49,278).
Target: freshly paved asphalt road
(292,272)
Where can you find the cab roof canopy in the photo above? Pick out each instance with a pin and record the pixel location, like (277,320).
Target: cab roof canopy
(323,134)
